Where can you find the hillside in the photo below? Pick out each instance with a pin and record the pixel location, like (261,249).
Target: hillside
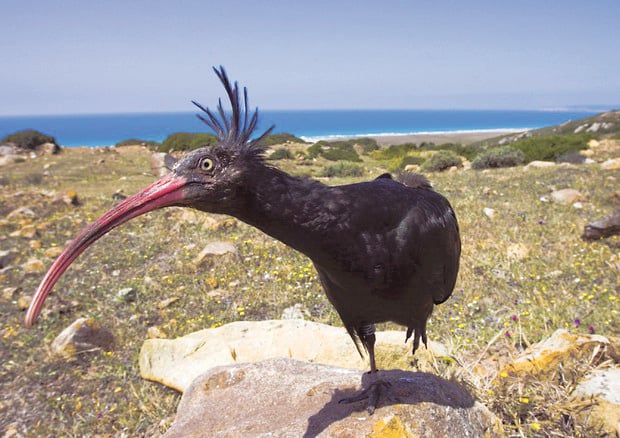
(603,125)
(525,273)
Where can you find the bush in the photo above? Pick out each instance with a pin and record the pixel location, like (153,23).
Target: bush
(409,159)
(281,154)
(334,151)
(368,144)
(342,168)
(28,139)
(551,147)
(394,151)
(442,160)
(505,156)
(184,141)
(572,157)
(281,138)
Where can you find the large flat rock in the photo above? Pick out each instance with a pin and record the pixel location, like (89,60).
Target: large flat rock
(290,398)
(177,362)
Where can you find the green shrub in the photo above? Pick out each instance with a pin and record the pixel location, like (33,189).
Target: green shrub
(368,144)
(551,147)
(281,154)
(504,156)
(394,151)
(343,169)
(441,160)
(572,157)
(409,159)
(281,138)
(184,141)
(334,151)
(468,152)
(28,139)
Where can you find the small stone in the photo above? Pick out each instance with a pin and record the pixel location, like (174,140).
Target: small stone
(9,293)
(27,231)
(489,212)
(127,295)
(517,251)
(7,257)
(53,252)
(23,302)
(567,196)
(154,332)
(221,251)
(83,336)
(611,164)
(34,266)
(167,302)
(294,312)
(21,212)
(538,164)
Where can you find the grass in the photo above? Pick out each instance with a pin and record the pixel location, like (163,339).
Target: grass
(524,274)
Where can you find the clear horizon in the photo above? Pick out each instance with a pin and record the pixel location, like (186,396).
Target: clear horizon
(75,58)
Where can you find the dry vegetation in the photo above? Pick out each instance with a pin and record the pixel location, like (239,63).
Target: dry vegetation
(525,273)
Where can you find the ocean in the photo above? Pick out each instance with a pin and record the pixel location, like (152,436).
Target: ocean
(311,125)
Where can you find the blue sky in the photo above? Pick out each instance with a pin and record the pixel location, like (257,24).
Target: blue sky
(70,57)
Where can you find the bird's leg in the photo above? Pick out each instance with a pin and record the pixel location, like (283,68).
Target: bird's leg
(366,334)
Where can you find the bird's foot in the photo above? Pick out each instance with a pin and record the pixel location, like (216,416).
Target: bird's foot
(372,393)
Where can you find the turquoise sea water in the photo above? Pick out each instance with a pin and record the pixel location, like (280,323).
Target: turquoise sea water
(108,129)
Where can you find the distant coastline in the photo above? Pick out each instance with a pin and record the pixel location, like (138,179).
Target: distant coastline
(385,125)
(462,136)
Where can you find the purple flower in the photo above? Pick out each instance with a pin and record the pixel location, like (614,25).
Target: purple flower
(508,335)
(541,222)
(591,328)
(515,318)
(577,322)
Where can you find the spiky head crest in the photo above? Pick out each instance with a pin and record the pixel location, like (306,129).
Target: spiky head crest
(234,130)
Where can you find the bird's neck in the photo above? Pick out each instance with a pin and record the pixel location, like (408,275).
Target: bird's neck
(288,208)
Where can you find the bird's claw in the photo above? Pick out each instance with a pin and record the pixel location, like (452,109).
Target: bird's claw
(372,393)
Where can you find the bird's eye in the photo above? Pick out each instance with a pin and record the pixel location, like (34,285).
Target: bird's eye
(206,164)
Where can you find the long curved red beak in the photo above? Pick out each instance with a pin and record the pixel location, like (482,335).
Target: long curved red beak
(164,192)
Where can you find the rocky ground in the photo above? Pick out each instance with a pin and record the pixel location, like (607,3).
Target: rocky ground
(526,273)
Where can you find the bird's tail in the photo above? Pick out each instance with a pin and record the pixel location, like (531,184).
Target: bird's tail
(414,180)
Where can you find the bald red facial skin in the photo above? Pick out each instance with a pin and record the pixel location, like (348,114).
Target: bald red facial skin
(164,192)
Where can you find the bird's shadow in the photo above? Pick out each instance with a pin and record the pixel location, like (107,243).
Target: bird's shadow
(405,387)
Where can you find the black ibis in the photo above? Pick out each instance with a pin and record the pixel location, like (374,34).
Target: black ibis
(385,250)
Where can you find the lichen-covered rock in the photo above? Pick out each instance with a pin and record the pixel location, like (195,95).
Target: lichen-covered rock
(561,348)
(286,398)
(602,388)
(611,164)
(84,335)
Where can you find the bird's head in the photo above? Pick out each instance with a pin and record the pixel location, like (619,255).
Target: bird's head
(209,179)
